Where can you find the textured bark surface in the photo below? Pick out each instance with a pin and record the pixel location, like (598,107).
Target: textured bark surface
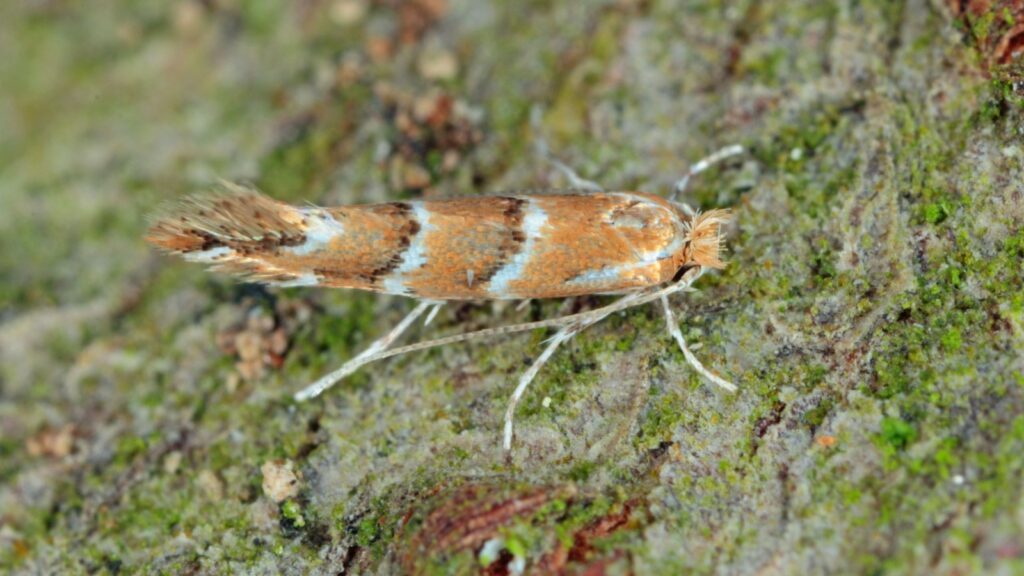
(872,311)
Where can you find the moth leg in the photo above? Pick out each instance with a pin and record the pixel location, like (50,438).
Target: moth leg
(541,147)
(366,356)
(562,335)
(570,328)
(432,313)
(673,329)
(700,166)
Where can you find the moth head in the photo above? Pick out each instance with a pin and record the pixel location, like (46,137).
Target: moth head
(704,239)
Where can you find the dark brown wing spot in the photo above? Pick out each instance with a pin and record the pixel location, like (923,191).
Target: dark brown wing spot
(409,229)
(393,209)
(512,243)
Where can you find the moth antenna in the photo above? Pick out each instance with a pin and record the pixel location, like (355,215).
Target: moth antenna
(702,165)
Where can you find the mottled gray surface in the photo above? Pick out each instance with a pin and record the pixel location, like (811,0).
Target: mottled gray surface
(872,311)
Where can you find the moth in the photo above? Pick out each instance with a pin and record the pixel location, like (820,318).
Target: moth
(543,244)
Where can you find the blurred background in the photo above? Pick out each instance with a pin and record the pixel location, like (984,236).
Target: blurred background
(872,312)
